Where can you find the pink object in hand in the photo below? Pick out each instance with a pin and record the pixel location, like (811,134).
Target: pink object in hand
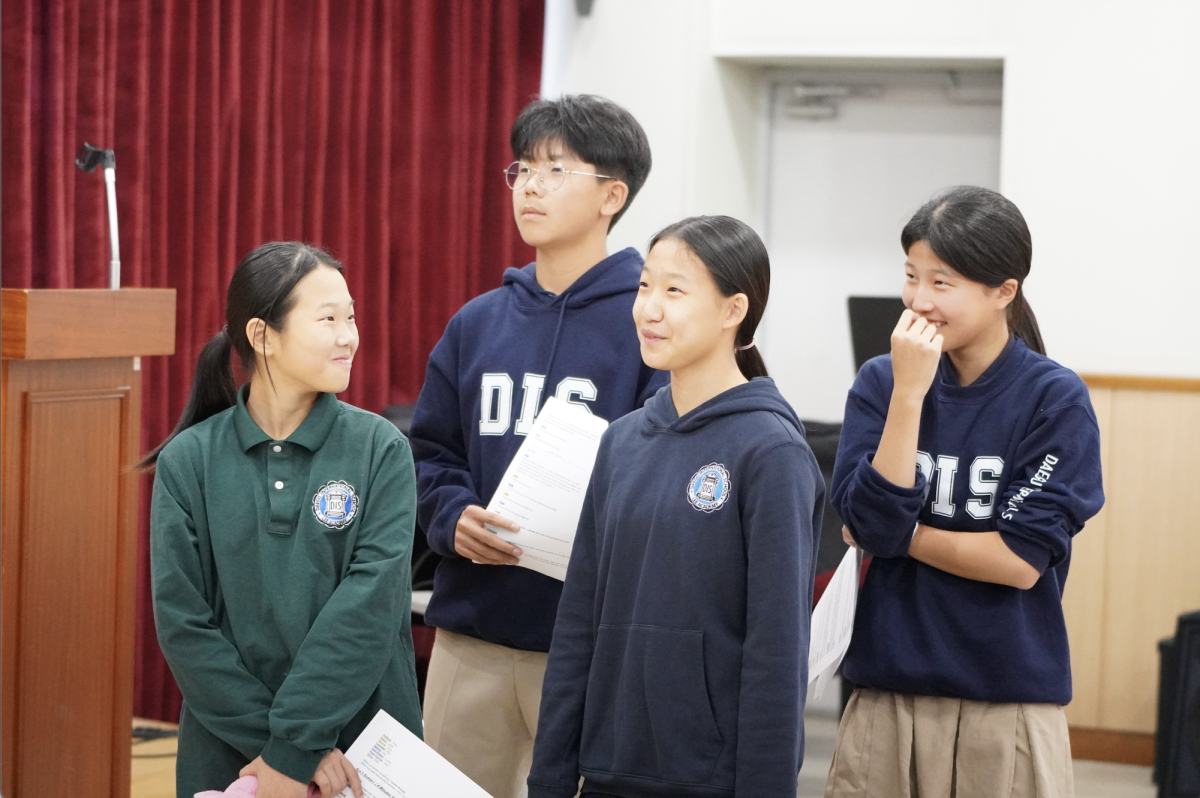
(246,787)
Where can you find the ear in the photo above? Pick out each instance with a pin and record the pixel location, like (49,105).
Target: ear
(1006,292)
(260,341)
(736,308)
(615,195)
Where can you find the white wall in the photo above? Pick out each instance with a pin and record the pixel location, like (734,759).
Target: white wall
(1099,138)
(840,191)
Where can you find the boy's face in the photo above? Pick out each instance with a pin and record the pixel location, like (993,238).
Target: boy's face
(571,212)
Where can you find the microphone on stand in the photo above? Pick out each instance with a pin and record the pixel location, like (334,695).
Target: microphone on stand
(88,159)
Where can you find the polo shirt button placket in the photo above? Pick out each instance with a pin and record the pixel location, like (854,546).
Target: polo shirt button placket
(281,510)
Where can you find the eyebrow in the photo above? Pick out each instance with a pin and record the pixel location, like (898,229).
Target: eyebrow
(908,264)
(333,304)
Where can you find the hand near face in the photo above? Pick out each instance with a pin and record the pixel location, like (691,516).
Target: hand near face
(916,350)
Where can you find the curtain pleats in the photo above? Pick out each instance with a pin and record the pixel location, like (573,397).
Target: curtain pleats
(374,129)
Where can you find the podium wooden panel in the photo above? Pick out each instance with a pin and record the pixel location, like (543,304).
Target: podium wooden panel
(71,428)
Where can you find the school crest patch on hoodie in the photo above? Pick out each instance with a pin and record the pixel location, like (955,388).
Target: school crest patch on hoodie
(709,487)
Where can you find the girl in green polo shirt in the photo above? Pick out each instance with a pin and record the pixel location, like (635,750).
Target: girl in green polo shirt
(281,531)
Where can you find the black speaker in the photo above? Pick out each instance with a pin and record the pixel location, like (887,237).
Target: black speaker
(1177,741)
(872,319)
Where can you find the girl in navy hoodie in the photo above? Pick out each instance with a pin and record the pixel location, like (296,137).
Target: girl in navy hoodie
(968,461)
(679,659)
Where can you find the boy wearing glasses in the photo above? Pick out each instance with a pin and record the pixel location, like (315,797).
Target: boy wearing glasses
(561,326)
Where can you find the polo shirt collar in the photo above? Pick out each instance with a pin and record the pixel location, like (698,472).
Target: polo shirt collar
(311,433)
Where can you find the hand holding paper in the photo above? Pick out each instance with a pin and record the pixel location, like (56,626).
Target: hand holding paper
(544,486)
(474,539)
(393,763)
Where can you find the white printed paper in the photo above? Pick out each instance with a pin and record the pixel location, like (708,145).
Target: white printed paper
(543,488)
(833,621)
(392,762)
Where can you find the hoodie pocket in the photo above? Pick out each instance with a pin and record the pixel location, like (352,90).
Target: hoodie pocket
(647,711)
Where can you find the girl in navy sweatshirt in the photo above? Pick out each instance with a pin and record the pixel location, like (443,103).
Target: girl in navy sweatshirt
(968,461)
(679,659)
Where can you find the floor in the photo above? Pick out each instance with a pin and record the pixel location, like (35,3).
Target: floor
(154,767)
(153,773)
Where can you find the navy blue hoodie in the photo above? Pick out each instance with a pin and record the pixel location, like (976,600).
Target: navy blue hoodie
(1017,451)
(680,656)
(502,355)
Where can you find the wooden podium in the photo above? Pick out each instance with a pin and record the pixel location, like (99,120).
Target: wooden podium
(71,419)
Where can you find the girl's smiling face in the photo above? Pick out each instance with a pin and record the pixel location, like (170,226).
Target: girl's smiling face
(682,319)
(963,310)
(315,349)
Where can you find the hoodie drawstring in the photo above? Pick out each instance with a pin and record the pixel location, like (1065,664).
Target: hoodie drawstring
(566,297)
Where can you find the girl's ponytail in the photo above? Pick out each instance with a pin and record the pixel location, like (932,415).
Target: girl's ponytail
(750,361)
(737,260)
(1024,324)
(262,288)
(213,390)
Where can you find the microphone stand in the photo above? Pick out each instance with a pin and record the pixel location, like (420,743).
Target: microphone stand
(88,159)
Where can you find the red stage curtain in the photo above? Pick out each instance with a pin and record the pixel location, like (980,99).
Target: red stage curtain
(374,129)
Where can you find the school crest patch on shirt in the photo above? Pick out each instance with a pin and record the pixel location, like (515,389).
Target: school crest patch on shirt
(336,504)
(709,487)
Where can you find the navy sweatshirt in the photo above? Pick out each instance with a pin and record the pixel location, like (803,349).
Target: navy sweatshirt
(1017,451)
(502,355)
(680,656)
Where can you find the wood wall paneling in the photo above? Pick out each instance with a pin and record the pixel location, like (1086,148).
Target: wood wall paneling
(1133,382)
(1152,567)
(1136,566)
(1102,745)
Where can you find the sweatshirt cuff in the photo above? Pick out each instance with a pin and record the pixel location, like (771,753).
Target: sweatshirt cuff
(890,513)
(293,762)
(879,483)
(551,791)
(1036,555)
(441,536)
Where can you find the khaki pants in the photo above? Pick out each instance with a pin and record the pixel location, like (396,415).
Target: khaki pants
(892,745)
(481,709)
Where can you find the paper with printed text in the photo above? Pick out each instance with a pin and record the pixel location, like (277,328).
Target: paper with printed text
(833,621)
(392,762)
(544,486)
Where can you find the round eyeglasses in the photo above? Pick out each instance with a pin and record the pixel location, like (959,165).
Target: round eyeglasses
(549,177)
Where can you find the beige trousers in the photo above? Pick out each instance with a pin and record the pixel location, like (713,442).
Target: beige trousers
(892,745)
(481,709)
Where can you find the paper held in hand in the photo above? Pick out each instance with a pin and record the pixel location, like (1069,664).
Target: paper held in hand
(543,488)
(833,621)
(393,763)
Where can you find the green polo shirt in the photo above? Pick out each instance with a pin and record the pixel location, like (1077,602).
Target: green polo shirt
(282,589)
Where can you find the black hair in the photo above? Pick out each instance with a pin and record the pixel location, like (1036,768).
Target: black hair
(737,260)
(596,130)
(982,236)
(263,287)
